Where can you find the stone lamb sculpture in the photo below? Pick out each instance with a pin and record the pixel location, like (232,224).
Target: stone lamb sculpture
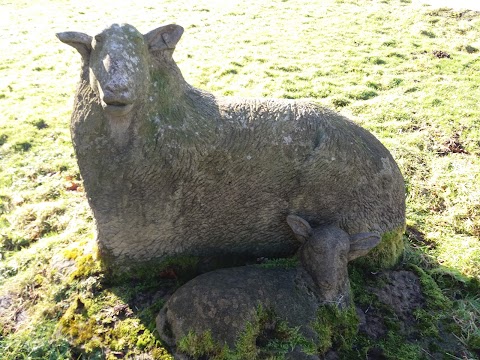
(224,300)
(172,170)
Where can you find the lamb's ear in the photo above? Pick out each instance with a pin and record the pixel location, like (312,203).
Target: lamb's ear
(300,227)
(80,41)
(164,37)
(361,244)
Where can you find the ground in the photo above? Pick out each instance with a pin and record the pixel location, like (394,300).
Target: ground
(406,72)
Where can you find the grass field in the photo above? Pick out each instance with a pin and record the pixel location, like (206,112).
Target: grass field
(408,73)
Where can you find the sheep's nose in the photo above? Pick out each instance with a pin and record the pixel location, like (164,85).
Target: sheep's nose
(116,85)
(117,91)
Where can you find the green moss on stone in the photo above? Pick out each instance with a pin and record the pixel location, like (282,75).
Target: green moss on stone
(387,253)
(197,345)
(266,337)
(283,263)
(336,327)
(182,268)
(434,297)
(395,347)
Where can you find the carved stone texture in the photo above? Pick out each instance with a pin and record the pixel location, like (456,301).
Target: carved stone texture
(170,169)
(223,301)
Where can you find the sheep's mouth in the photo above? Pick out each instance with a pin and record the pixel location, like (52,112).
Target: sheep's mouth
(117,108)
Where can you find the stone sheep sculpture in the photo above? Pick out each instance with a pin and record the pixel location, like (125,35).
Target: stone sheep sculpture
(171,170)
(223,301)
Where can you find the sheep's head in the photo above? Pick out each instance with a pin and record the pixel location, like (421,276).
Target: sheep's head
(119,60)
(325,252)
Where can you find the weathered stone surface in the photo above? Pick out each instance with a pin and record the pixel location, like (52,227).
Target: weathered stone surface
(225,300)
(170,169)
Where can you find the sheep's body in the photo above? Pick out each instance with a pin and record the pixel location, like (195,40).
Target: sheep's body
(183,172)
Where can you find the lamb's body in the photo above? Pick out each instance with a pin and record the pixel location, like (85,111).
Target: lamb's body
(184,172)
(224,301)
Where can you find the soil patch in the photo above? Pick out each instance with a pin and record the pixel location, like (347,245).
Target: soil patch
(401,294)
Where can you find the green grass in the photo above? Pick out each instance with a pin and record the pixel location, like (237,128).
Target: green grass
(374,61)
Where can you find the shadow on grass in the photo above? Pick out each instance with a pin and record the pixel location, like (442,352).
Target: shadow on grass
(418,309)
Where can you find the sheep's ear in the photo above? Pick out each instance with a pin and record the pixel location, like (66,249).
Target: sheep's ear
(80,41)
(300,227)
(361,244)
(164,37)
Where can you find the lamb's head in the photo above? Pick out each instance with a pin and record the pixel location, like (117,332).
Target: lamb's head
(325,252)
(118,62)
